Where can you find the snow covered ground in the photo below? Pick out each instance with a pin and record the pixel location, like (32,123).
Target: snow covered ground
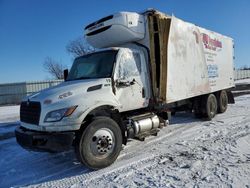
(188,153)
(243,81)
(242,87)
(9,119)
(9,114)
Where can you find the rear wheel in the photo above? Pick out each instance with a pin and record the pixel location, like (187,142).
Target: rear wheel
(209,106)
(222,101)
(100,143)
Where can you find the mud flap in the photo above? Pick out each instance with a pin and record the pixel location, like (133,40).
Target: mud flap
(230,97)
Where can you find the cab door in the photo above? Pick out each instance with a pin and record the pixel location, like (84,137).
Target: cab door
(130,80)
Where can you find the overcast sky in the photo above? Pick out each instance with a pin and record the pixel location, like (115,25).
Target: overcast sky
(31,30)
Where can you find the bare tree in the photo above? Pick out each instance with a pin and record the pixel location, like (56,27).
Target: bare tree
(79,47)
(54,68)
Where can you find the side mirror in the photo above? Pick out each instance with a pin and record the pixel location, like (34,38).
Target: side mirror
(65,74)
(124,83)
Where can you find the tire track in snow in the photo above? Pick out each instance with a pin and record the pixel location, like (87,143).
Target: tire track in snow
(176,143)
(134,151)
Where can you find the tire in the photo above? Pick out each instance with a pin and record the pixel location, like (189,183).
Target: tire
(222,101)
(209,106)
(100,143)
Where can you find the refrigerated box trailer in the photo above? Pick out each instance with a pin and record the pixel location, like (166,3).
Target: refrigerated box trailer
(146,66)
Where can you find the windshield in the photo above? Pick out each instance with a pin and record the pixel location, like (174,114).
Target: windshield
(95,65)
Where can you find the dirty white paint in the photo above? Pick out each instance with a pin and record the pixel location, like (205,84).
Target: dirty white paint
(218,50)
(130,69)
(199,61)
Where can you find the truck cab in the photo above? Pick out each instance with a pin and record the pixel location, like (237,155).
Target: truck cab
(111,80)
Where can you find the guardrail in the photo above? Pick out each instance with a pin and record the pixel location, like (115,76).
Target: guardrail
(241,74)
(13,93)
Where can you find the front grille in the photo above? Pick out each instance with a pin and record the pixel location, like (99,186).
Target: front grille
(30,112)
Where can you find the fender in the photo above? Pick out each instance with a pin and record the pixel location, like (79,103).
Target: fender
(108,109)
(97,105)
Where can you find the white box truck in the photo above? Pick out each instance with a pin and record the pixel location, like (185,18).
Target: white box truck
(147,65)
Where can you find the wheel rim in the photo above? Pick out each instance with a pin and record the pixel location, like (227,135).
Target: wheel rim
(102,143)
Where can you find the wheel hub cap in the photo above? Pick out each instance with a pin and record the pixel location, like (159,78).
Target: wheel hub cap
(102,142)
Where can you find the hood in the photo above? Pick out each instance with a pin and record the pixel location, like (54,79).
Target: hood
(74,87)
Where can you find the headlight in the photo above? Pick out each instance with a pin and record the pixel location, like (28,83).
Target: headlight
(57,115)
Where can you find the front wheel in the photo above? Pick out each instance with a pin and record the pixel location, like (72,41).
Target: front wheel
(100,143)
